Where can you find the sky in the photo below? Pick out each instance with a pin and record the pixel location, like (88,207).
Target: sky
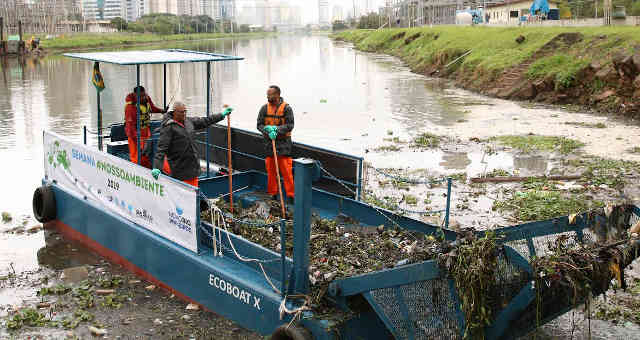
(310,7)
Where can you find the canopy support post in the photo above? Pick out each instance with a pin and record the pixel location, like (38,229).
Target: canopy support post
(139,158)
(99,118)
(208,112)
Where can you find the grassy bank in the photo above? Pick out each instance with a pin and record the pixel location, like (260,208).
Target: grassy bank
(493,49)
(92,40)
(556,54)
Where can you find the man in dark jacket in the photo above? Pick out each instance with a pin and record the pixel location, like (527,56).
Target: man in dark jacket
(177,143)
(275,121)
(131,123)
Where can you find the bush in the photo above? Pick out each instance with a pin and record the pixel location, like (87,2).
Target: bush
(635,8)
(339,25)
(119,24)
(244,29)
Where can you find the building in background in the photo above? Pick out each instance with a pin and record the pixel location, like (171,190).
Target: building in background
(323,12)
(337,13)
(102,9)
(223,10)
(134,9)
(161,6)
(190,7)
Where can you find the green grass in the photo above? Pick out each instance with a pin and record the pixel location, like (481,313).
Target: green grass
(92,40)
(563,67)
(531,143)
(494,49)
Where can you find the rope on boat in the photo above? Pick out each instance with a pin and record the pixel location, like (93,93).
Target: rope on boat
(218,221)
(297,311)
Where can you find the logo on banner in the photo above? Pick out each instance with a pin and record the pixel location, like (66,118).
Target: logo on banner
(180,221)
(144,214)
(58,156)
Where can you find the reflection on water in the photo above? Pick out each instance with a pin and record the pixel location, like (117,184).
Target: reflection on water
(343,99)
(60,253)
(473,163)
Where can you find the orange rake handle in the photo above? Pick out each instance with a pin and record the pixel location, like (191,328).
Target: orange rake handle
(275,159)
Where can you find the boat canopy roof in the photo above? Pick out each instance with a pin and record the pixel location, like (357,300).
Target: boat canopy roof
(171,56)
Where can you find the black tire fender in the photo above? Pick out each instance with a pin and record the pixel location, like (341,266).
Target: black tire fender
(44,204)
(293,332)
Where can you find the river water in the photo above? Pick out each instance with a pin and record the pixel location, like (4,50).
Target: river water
(343,100)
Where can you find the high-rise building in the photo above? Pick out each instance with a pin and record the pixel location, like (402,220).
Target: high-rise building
(134,9)
(190,7)
(323,12)
(102,9)
(161,6)
(337,13)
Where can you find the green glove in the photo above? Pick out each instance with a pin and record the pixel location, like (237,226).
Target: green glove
(155,173)
(273,134)
(270,128)
(226,112)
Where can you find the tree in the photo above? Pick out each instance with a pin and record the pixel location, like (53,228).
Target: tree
(136,27)
(119,24)
(370,21)
(339,25)
(635,8)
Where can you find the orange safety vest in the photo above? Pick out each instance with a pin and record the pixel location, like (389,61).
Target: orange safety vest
(276,118)
(145,113)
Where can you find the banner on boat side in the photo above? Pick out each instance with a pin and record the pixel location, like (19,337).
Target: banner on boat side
(163,206)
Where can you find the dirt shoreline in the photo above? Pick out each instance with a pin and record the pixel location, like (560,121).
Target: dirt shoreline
(598,72)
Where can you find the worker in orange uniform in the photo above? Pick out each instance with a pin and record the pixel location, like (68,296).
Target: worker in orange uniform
(131,123)
(275,121)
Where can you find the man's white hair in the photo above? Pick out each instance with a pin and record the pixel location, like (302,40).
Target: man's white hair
(178,104)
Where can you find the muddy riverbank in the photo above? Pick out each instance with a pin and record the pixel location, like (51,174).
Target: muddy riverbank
(595,68)
(64,291)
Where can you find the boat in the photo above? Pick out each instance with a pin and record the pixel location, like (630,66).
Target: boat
(155,229)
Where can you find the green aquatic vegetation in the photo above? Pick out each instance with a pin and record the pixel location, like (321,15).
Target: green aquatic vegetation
(532,143)
(533,205)
(386,202)
(473,266)
(387,148)
(6,217)
(410,199)
(27,317)
(498,173)
(587,125)
(59,289)
(427,140)
(634,150)
(602,171)
(113,301)
(109,282)
(394,139)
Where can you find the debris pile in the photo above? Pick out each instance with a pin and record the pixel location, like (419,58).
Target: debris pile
(339,248)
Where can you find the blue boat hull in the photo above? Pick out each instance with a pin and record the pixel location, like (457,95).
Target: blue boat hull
(198,278)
